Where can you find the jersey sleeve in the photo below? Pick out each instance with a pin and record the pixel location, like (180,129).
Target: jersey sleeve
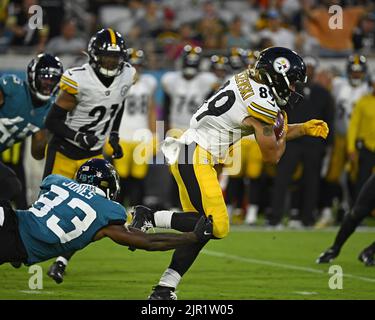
(262,110)
(153,83)
(167,81)
(9,84)
(69,82)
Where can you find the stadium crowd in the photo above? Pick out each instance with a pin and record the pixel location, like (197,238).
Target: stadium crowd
(312,170)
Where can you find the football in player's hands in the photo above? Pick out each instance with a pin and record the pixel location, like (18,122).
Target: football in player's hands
(279,125)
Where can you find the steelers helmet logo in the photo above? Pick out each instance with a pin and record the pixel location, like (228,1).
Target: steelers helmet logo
(281,65)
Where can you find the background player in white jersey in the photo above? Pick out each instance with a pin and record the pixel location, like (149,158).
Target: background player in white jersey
(247,104)
(346,91)
(136,132)
(88,110)
(184,91)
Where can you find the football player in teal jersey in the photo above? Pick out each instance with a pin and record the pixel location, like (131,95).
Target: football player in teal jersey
(23,108)
(70,214)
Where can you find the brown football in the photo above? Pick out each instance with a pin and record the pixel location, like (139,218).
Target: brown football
(278,127)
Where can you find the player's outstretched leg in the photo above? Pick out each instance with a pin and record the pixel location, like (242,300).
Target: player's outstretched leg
(57,269)
(367,255)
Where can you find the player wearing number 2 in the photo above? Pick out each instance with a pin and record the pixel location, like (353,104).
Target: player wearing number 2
(88,110)
(70,214)
(249,103)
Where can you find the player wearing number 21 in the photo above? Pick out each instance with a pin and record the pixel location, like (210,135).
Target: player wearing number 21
(89,106)
(87,111)
(250,102)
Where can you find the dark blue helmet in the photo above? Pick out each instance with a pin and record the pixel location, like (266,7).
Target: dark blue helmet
(100,173)
(43,75)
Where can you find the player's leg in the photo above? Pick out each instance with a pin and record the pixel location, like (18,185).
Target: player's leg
(362,208)
(367,255)
(10,185)
(12,249)
(200,192)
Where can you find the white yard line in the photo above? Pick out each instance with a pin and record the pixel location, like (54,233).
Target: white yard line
(277,264)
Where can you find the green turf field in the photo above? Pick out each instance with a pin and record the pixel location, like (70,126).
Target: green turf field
(247,264)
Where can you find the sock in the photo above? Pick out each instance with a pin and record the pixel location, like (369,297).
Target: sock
(170,278)
(184,221)
(163,219)
(252,214)
(63,260)
(371,248)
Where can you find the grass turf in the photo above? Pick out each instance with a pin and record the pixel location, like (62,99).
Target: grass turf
(254,264)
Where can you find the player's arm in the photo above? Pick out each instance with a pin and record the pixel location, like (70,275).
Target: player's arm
(114,139)
(271,148)
(55,121)
(157,241)
(2,100)
(313,128)
(38,144)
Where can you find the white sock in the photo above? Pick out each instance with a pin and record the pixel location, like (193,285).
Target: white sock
(163,219)
(327,213)
(63,260)
(170,278)
(252,214)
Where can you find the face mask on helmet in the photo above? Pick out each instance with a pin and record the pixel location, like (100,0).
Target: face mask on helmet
(107,53)
(356,69)
(101,174)
(44,73)
(191,61)
(281,69)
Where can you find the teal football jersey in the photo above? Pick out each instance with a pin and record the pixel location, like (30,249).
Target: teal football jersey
(65,218)
(18,117)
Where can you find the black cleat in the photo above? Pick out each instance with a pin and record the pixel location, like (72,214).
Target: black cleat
(162,293)
(57,271)
(367,257)
(142,218)
(328,255)
(16,264)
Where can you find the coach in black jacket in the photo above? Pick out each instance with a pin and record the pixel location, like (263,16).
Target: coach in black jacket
(316,104)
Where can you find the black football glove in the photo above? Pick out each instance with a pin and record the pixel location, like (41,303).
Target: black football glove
(114,142)
(86,140)
(204,229)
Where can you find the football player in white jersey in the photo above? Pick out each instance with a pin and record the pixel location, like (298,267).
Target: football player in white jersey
(184,91)
(346,91)
(87,111)
(136,132)
(249,103)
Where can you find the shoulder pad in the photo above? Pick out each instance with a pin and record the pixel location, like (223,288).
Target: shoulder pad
(69,81)
(9,83)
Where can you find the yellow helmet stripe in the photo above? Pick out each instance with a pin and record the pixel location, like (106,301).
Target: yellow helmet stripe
(113,36)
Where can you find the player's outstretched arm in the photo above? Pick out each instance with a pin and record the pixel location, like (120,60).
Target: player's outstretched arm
(313,128)
(157,241)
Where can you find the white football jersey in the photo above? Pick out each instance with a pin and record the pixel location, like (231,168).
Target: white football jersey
(136,113)
(217,125)
(186,95)
(97,105)
(346,97)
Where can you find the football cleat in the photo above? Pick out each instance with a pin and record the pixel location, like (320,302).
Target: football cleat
(328,255)
(367,257)
(162,293)
(57,271)
(142,218)
(16,264)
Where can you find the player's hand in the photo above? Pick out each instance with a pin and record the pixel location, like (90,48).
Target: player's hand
(315,128)
(114,142)
(204,229)
(86,140)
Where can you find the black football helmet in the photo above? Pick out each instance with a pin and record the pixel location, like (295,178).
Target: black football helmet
(235,59)
(191,59)
(280,69)
(356,69)
(100,173)
(43,75)
(107,52)
(136,57)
